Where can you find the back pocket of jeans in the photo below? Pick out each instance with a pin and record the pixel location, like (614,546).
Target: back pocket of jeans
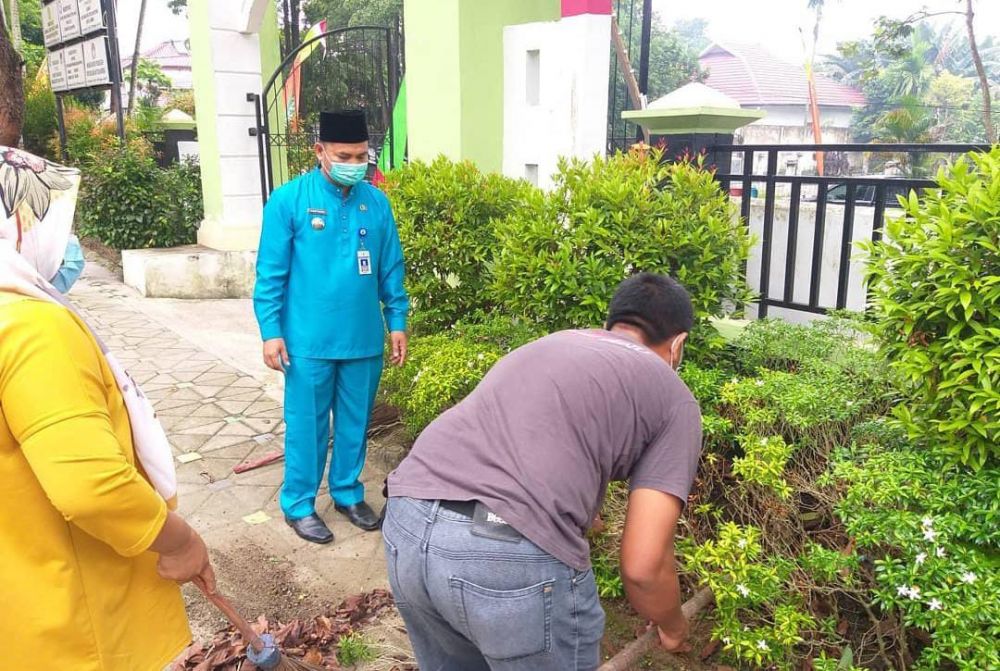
(506,624)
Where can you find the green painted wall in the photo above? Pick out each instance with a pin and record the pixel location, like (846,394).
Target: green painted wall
(481,49)
(433,104)
(454,72)
(203,75)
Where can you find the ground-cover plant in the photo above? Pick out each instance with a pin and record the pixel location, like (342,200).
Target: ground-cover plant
(444,368)
(935,282)
(932,530)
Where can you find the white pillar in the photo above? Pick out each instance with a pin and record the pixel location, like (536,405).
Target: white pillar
(227,65)
(555,94)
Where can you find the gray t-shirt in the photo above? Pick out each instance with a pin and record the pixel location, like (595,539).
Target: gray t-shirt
(546,430)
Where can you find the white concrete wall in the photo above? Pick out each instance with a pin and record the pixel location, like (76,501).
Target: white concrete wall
(568,117)
(798,115)
(830,266)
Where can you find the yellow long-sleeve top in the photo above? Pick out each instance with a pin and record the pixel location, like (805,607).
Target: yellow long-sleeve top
(78,587)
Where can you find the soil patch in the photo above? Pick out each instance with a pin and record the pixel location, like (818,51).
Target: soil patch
(624,626)
(258,583)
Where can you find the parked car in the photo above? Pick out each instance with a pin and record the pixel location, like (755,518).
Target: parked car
(864,194)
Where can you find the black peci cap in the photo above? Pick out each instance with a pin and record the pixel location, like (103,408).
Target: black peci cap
(347,126)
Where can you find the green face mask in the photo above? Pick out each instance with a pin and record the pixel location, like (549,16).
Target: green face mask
(347,174)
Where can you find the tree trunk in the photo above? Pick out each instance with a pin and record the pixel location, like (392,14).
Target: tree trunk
(12,101)
(287,27)
(295,24)
(984,83)
(135,59)
(813,98)
(15,23)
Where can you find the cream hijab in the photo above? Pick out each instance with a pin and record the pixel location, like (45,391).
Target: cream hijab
(38,200)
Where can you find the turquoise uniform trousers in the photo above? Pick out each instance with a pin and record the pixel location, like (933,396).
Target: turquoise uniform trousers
(315,388)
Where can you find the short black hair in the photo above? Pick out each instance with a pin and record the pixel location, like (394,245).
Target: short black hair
(655,304)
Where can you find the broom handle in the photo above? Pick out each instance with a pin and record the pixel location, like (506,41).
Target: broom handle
(237,620)
(630,655)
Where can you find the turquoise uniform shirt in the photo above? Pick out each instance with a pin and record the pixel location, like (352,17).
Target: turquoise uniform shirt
(310,289)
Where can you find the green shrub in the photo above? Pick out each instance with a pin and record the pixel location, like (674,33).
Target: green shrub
(128,202)
(763,463)
(933,529)
(40,123)
(757,618)
(935,282)
(443,368)
(447,213)
(561,256)
(441,372)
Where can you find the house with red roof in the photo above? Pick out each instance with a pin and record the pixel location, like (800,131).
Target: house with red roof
(173,57)
(757,79)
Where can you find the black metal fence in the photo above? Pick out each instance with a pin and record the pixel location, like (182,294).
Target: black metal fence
(850,194)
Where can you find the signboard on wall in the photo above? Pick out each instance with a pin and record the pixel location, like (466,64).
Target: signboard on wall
(96,58)
(50,24)
(57,71)
(76,68)
(91,16)
(69,19)
(77,35)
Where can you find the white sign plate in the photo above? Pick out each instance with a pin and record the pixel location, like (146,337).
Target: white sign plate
(95,55)
(76,71)
(57,70)
(69,19)
(91,16)
(50,24)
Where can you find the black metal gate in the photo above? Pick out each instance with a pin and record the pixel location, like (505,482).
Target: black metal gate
(347,68)
(631,35)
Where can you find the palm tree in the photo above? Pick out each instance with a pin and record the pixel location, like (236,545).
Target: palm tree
(135,59)
(817,7)
(911,75)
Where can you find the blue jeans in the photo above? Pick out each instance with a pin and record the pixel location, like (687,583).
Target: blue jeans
(472,603)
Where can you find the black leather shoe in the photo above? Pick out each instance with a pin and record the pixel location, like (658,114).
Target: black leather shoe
(311,529)
(361,515)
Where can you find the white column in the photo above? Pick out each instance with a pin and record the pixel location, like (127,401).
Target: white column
(226,64)
(555,94)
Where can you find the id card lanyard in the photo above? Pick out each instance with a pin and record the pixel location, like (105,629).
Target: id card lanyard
(364,256)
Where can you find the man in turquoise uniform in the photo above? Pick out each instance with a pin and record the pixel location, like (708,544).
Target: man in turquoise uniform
(329,284)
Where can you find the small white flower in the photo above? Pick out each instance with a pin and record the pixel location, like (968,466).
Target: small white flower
(927,522)
(759,383)
(968,577)
(921,558)
(914,592)
(934,604)
(481,356)
(743,590)
(726,640)
(939,552)
(903,590)
(742,543)
(762,645)
(930,535)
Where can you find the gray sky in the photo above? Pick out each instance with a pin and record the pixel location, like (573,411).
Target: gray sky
(774,23)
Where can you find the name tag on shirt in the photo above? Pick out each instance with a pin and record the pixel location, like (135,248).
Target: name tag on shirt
(364,262)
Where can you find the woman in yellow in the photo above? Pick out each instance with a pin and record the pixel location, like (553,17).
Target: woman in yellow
(90,554)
